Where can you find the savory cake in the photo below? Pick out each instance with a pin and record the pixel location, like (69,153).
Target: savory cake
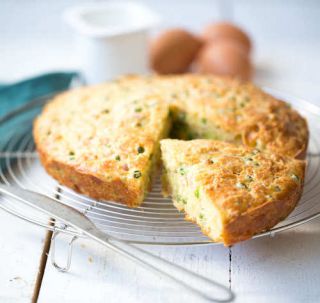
(225,109)
(232,192)
(103,141)
(100,145)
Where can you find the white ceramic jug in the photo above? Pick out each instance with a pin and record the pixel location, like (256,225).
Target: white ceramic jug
(112,38)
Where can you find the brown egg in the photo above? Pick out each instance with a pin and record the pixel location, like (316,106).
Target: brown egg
(225,58)
(225,30)
(173,51)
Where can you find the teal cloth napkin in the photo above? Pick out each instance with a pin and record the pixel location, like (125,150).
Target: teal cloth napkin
(16,95)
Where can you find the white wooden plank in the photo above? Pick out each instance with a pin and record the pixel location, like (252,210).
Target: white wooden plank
(100,275)
(280,269)
(21,244)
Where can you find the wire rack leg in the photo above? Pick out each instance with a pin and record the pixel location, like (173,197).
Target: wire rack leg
(53,252)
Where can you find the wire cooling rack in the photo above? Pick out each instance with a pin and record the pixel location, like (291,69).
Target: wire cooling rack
(156,221)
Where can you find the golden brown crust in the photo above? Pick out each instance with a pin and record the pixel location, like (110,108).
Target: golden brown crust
(100,146)
(260,219)
(232,192)
(226,109)
(86,183)
(211,107)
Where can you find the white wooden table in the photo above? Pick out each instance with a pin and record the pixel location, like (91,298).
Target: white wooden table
(280,269)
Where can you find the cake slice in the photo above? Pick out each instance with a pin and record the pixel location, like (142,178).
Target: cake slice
(231,192)
(101,145)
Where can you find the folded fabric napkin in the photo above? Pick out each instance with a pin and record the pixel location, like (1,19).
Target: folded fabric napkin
(16,95)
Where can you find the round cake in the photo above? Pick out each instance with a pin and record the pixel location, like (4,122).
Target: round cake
(103,141)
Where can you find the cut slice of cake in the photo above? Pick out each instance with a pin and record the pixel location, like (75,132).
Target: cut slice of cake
(231,192)
(103,140)
(101,145)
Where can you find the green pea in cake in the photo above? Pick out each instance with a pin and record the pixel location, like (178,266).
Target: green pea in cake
(102,146)
(103,141)
(231,192)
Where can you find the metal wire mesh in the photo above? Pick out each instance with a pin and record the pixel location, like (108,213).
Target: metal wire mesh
(156,221)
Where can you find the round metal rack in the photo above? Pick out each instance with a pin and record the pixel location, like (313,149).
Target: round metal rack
(157,221)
